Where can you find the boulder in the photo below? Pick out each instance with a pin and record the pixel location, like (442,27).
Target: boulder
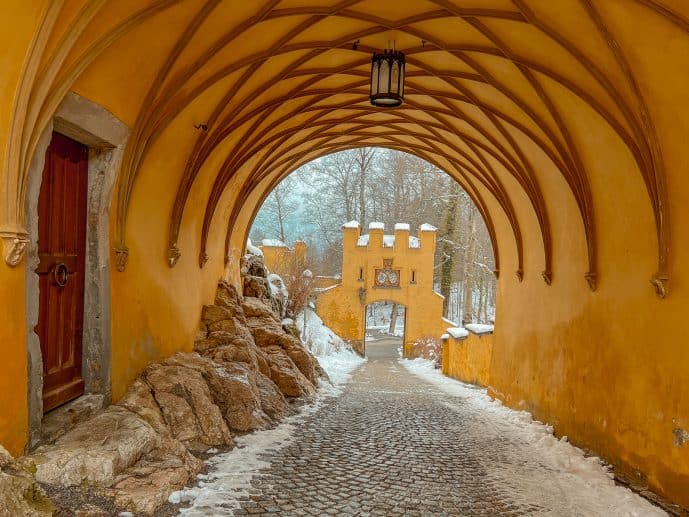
(233,389)
(289,326)
(258,308)
(256,286)
(187,406)
(228,297)
(144,487)
(242,352)
(5,458)
(139,399)
(242,408)
(252,265)
(273,402)
(20,496)
(95,451)
(285,374)
(301,358)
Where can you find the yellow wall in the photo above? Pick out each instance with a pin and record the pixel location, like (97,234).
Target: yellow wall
(342,307)
(468,359)
(283,259)
(607,368)
(13,367)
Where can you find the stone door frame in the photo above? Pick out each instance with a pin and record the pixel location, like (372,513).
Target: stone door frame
(106,137)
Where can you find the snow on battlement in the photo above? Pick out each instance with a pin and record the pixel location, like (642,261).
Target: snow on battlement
(388,241)
(401,234)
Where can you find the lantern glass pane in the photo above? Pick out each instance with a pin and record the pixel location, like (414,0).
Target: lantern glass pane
(402,80)
(384,84)
(395,77)
(374,79)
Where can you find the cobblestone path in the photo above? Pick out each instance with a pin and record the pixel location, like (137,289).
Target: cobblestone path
(390,445)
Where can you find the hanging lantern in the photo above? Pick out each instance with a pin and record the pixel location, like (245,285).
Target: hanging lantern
(387,79)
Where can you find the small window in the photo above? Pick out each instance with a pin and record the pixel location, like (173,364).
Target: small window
(413,276)
(361,274)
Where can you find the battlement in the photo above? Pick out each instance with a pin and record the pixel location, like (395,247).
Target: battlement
(377,238)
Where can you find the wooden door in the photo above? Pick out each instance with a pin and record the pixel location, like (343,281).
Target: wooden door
(62,253)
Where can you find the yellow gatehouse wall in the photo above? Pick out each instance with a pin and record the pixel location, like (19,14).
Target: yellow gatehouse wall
(280,258)
(342,307)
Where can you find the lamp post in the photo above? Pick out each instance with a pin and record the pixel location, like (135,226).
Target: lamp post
(387,79)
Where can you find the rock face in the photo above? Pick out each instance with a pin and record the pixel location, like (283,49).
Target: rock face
(244,368)
(97,450)
(20,495)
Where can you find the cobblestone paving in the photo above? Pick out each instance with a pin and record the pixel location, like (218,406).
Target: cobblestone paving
(389,446)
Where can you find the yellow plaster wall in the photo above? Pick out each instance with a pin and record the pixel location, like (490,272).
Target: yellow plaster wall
(468,359)
(608,368)
(342,308)
(282,259)
(14,422)
(21,22)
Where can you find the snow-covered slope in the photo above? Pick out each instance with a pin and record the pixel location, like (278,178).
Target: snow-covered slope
(334,355)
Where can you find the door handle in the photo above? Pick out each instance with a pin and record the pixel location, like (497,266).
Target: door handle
(60,274)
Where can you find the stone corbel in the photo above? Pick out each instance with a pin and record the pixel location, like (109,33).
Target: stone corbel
(520,274)
(203,258)
(121,256)
(14,246)
(173,255)
(592,280)
(547,277)
(661,284)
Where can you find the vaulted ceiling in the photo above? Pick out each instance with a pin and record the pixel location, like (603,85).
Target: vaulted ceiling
(496,91)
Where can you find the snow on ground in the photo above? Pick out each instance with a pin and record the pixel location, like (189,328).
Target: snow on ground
(230,474)
(334,355)
(590,486)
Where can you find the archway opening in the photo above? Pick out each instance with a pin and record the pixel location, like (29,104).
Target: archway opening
(448,279)
(385,325)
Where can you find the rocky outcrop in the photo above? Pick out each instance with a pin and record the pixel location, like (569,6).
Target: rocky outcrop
(187,406)
(244,369)
(20,495)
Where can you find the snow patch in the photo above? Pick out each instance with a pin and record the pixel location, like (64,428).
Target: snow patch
(277,286)
(402,227)
(479,328)
(273,243)
(458,332)
(376,225)
(425,227)
(351,224)
(334,355)
(591,489)
(253,250)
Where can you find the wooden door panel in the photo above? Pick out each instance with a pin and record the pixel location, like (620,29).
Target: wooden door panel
(62,254)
